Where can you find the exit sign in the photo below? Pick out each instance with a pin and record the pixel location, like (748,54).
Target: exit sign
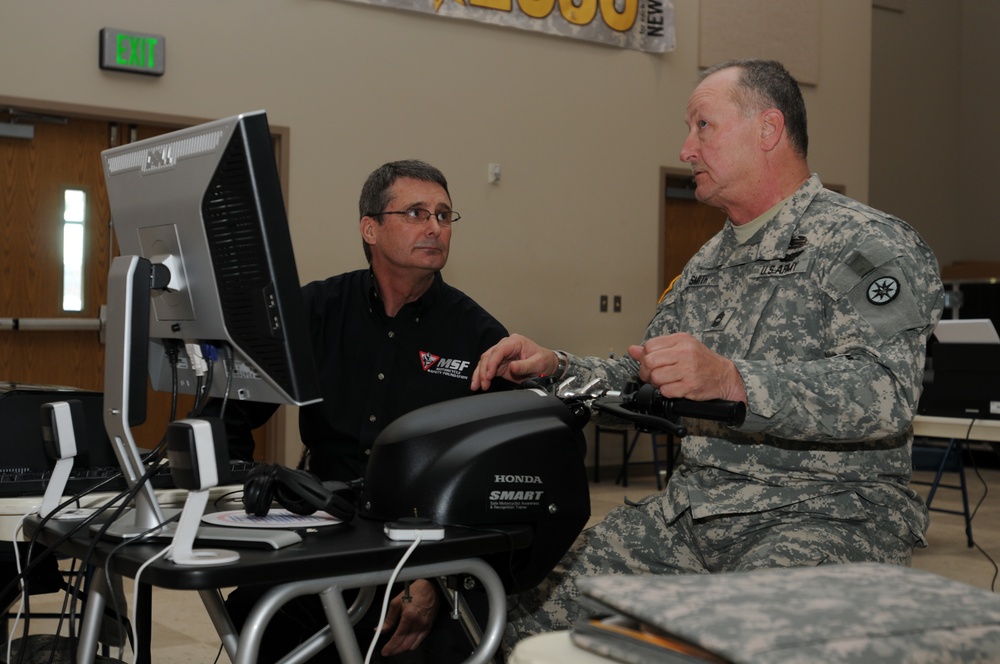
(134,52)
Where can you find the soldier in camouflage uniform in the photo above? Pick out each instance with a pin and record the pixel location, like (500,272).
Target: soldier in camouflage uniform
(809,307)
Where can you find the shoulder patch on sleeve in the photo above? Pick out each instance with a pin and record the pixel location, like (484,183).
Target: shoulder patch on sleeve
(669,288)
(885,298)
(861,263)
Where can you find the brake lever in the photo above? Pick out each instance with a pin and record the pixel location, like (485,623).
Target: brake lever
(649,422)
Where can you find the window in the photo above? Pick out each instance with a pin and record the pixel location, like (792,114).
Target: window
(74,213)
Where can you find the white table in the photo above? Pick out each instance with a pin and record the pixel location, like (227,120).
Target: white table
(957,431)
(552,648)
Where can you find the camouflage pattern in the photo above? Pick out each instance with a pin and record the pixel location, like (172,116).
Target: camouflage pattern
(826,312)
(833,614)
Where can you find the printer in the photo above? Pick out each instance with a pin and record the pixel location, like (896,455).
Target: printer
(963,380)
(21,446)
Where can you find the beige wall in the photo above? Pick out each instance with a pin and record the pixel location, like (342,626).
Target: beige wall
(916,133)
(978,171)
(581,130)
(935,138)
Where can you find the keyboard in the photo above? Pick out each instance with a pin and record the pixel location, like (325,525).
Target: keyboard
(32,483)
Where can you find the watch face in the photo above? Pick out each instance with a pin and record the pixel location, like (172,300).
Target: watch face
(883,290)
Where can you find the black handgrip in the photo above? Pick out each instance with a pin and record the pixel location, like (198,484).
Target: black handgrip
(644,398)
(728,412)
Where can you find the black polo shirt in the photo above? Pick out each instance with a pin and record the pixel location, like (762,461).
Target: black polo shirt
(373,368)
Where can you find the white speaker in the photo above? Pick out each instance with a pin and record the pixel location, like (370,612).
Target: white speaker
(61,420)
(192,448)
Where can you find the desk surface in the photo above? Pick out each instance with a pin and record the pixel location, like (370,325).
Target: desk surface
(13,508)
(333,550)
(964,428)
(552,648)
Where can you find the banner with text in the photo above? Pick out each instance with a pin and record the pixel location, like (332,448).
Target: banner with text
(642,25)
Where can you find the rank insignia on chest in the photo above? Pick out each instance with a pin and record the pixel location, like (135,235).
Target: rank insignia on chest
(719,320)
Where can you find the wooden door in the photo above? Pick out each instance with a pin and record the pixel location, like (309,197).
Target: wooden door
(687,224)
(33,176)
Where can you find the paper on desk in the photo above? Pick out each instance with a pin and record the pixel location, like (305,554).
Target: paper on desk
(274,519)
(966,331)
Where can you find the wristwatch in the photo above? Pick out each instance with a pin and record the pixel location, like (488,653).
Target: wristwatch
(562,364)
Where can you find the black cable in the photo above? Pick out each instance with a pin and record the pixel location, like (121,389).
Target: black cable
(225,496)
(173,352)
(129,496)
(107,575)
(207,387)
(75,591)
(227,366)
(156,454)
(199,386)
(982,499)
(28,568)
(30,564)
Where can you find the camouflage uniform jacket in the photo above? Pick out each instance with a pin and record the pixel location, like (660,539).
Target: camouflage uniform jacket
(826,313)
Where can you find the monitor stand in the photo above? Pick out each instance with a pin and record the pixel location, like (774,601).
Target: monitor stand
(127,347)
(208,536)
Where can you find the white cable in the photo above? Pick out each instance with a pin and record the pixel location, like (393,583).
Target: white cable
(388,590)
(135,599)
(17,564)
(197,360)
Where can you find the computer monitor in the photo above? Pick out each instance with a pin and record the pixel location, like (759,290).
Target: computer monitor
(206,263)
(206,202)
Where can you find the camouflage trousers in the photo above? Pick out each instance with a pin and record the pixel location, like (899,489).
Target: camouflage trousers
(643,538)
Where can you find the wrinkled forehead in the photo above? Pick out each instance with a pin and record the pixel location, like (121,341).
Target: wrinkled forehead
(412,192)
(713,92)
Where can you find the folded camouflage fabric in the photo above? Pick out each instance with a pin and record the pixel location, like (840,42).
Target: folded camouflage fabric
(862,612)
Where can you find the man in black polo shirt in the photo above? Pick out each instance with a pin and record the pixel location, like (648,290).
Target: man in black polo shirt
(386,340)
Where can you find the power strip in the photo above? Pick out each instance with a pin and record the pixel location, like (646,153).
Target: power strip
(407,529)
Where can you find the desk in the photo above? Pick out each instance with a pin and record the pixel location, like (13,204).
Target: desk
(359,552)
(13,508)
(552,648)
(930,426)
(964,428)
(958,431)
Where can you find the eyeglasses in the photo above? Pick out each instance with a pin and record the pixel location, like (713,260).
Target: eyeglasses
(420,215)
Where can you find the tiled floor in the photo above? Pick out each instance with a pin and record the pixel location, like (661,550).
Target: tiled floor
(183,633)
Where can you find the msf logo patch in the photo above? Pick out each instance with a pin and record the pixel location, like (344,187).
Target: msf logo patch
(441,366)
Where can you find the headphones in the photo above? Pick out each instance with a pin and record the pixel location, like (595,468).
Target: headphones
(298,491)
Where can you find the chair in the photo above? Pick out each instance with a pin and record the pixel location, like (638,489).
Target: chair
(667,444)
(598,430)
(668,461)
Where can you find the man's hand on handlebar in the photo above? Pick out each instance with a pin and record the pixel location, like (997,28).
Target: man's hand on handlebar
(681,366)
(515,358)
